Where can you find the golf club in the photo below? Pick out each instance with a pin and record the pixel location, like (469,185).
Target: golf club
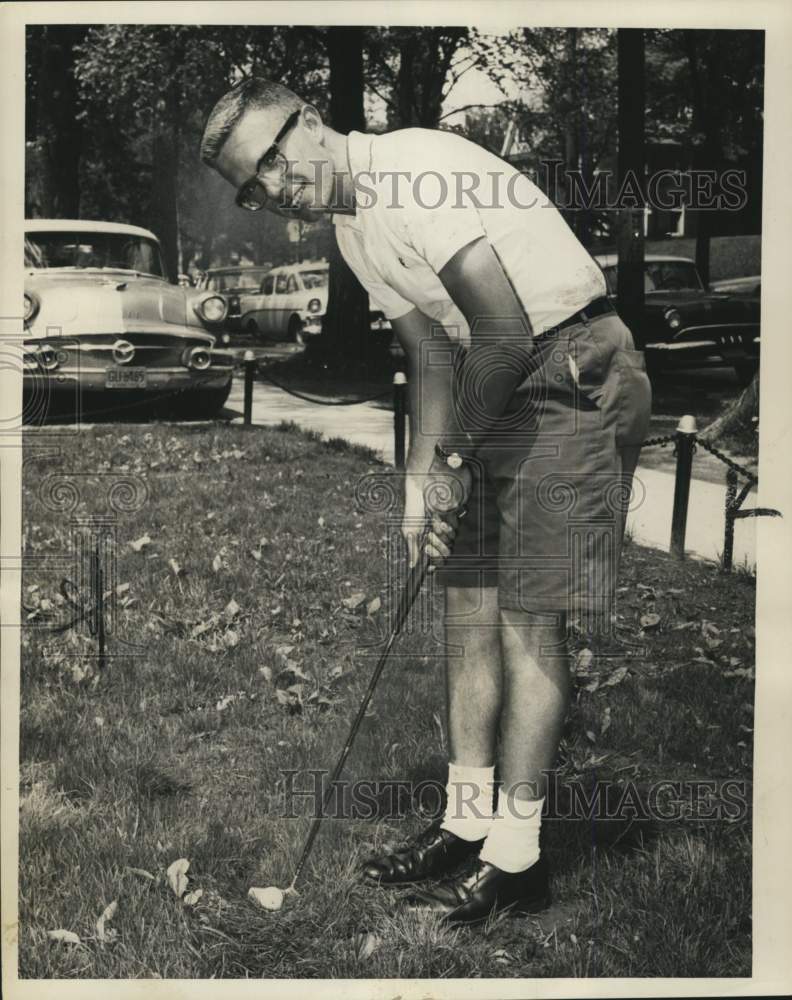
(271,898)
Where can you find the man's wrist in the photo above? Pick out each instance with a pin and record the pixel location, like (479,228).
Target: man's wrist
(452,457)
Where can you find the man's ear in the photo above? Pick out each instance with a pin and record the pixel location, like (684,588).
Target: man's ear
(312,121)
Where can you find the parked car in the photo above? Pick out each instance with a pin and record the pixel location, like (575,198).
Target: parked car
(750,285)
(102,320)
(684,323)
(237,284)
(292,304)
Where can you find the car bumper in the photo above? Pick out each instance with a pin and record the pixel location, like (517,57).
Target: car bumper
(701,344)
(155,380)
(312,325)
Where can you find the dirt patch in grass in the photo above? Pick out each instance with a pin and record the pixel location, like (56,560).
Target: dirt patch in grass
(252,592)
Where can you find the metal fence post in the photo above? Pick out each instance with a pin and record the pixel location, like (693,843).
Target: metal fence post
(399,419)
(250,371)
(685,446)
(728,537)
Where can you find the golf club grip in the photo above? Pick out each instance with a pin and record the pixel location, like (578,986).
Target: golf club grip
(412,588)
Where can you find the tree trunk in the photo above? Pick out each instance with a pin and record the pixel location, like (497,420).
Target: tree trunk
(630,241)
(60,133)
(164,192)
(346,337)
(738,418)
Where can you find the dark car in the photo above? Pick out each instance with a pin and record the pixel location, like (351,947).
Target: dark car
(236,284)
(686,324)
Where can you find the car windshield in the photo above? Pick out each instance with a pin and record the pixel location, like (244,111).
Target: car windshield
(314,279)
(118,251)
(235,281)
(662,276)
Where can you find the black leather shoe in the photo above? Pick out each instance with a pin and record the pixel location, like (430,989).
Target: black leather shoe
(488,891)
(432,853)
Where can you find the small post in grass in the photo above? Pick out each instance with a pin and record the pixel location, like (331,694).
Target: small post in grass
(399,418)
(685,446)
(250,371)
(97,601)
(728,538)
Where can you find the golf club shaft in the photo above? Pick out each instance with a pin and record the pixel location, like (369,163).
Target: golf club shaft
(411,590)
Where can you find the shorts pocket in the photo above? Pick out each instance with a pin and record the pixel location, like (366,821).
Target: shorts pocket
(633,402)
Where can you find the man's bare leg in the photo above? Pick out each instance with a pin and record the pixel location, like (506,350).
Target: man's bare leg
(474,678)
(535,700)
(535,695)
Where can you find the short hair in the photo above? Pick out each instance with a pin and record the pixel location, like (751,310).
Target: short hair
(252,92)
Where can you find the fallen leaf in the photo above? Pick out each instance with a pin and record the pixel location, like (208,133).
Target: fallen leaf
(321,522)
(590,736)
(256,555)
(69,937)
(192,897)
(175,567)
(684,625)
(354,600)
(284,652)
(107,915)
(650,620)
(366,945)
(373,606)
(616,677)
(177,876)
(266,673)
(745,672)
(140,543)
(231,610)
(142,873)
(121,589)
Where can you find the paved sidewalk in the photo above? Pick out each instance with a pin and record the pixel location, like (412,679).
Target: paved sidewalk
(649,522)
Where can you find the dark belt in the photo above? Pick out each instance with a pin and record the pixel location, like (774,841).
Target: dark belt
(599,307)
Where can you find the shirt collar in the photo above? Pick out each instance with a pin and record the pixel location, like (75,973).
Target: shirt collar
(360,155)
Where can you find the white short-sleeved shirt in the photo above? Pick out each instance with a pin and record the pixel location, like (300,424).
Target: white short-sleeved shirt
(422,195)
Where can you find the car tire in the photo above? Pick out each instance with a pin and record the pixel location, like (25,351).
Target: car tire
(295,332)
(745,371)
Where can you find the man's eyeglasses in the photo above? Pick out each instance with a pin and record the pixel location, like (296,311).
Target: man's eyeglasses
(252,195)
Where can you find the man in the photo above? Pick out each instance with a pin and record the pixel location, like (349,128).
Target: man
(528,406)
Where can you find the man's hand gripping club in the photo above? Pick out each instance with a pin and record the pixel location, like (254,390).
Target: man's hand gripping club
(434,504)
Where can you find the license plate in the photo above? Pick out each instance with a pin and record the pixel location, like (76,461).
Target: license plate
(125,378)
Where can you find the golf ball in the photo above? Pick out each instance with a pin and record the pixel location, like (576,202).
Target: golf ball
(270,898)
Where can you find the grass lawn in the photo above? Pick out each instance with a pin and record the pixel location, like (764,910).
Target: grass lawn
(255,607)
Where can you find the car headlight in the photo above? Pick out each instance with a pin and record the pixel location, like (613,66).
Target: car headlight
(212,309)
(314,306)
(197,357)
(31,307)
(47,357)
(673,319)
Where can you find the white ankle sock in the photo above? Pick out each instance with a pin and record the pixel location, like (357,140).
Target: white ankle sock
(512,842)
(469,808)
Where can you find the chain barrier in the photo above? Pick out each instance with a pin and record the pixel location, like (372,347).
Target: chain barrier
(262,373)
(734,466)
(667,439)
